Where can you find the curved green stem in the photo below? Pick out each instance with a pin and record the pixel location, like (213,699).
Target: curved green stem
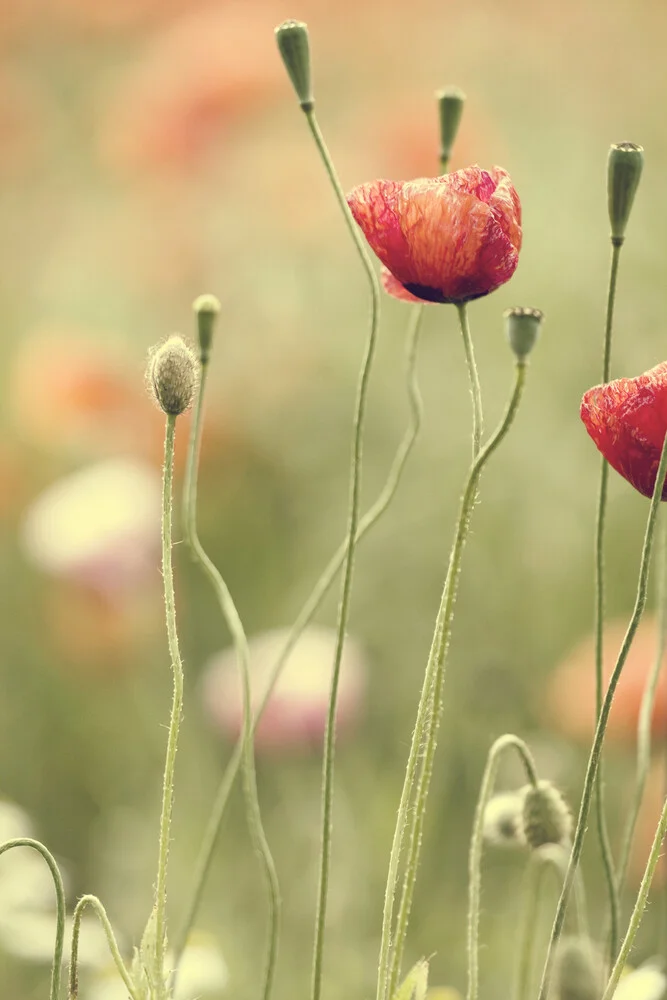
(640,906)
(473,376)
(235,625)
(305,616)
(177,702)
(60,905)
(598,739)
(648,702)
(428,720)
(509,741)
(348,565)
(552,857)
(96,904)
(601,823)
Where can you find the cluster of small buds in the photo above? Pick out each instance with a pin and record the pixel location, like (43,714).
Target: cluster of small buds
(545,816)
(172,375)
(578,970)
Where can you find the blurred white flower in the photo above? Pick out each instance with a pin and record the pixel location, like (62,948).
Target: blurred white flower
(297,709)
(99,526)
(203,971)
(648,982)
(501,819)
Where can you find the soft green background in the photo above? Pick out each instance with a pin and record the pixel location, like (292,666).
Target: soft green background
(116,247)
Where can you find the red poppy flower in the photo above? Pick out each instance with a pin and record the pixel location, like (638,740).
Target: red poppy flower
(443,239)
(627,419)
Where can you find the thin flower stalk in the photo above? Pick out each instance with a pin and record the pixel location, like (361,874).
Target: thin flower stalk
(306,614)
(473,376)
(246,742)
(54,993)
(177,701)
(647,705)
(509,741)
(348,564)
(96,905)
(415,788)
(598,739)
(603,835)
(639,907)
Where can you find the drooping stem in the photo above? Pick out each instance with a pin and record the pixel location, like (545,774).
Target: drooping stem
(246,743)
(598,739)
(54,993)
(424,739)
(509,741)
(96,904)
(640,906)
(648,702)
(601,823)
(303,619)
(177,701)
(348,564)
(473,376)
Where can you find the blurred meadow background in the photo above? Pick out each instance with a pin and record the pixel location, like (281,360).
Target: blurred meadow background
(151,150)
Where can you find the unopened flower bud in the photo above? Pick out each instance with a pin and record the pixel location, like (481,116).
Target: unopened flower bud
(546,818)
(577,971)
(523,327)
(450,108)
(172,375)
(292,39)
(502,818)
(624,169)
(207,308)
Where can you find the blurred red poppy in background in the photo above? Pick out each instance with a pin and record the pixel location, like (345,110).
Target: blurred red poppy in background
(627,419)
(444,239)
(570,692)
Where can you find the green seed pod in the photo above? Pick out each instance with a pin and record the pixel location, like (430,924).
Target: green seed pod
(207,308)
(172,375)
(546,818)
(523,326)
(450,109)
(292,39)
(624,170)
(578,973)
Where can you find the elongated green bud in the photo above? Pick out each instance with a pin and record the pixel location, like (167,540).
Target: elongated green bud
(172,375)
(523,326)
(292,39)
(546,818)
(624,170)
(450,109)
(578,973)
(207,308)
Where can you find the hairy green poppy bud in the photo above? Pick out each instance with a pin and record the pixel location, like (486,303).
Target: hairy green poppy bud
(624,170)
(450,108)
(578,973)
(292,39)
(546,818)
(172,375)
(207,308)
(523,326)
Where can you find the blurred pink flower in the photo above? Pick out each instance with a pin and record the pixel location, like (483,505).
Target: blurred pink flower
(649,815)
(193,80)
(296,713)
(99,526)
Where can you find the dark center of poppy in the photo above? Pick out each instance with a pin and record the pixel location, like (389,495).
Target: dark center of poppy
(428,294)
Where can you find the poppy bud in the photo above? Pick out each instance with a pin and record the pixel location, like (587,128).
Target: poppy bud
(450,108)
(292,39)
(624,169)
(546,818)
(207,308)
(577,971)
(523,326)
(502,819)
(172,375)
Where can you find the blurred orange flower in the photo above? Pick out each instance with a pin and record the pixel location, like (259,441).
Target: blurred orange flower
(193,79)
(652,803)
(570,692)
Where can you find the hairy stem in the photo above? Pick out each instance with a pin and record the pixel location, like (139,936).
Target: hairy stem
(473,376)
(96,904)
